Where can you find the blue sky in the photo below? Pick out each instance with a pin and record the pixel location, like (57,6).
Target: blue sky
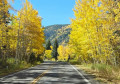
(52,11)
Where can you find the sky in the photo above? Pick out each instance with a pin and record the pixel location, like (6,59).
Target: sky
(52,11)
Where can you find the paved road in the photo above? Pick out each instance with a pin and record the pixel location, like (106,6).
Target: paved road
(49,73)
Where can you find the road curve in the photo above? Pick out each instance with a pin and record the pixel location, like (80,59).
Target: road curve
(49,73)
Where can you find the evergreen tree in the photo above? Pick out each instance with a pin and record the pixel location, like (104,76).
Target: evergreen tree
(48,44)
(54,51)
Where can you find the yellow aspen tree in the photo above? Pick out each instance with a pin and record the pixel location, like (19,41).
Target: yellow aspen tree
(91,31)
(4,28)
(113,18)
(48,54)
(32,35)
(64,52)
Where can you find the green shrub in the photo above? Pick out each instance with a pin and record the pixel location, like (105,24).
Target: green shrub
(93,67)
(74,62)
(11,60)
(3,64)
(32,59)
(39,59)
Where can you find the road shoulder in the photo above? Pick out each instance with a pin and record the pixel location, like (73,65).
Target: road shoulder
(89,77)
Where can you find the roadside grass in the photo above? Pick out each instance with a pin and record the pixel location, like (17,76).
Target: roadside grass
(104,73)
(11,67)
(108,72)
(74,62)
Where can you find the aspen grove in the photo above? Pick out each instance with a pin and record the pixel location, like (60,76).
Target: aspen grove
(95,31)
(21,34)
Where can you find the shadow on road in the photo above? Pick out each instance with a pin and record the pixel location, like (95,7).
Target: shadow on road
(61,73)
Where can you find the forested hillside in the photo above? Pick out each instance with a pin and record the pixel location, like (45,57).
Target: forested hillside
(57,31)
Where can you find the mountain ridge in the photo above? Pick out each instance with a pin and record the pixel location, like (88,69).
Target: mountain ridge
(59,31)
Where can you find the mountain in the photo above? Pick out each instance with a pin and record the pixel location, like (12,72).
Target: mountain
(59,31)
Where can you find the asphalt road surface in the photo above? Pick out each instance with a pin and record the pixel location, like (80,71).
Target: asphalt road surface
(49,73)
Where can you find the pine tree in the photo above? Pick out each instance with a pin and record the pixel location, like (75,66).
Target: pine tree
(54,51)
(48,44)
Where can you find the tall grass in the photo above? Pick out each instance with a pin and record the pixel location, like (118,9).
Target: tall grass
(108,71)
(10,66)
(74,62)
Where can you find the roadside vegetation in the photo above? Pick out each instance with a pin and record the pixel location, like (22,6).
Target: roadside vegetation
(10,66)
(94,39)
(103,73)
(21,38)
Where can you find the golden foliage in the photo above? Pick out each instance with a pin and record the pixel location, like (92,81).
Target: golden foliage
(64,53)
(48,54)
(93,29)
